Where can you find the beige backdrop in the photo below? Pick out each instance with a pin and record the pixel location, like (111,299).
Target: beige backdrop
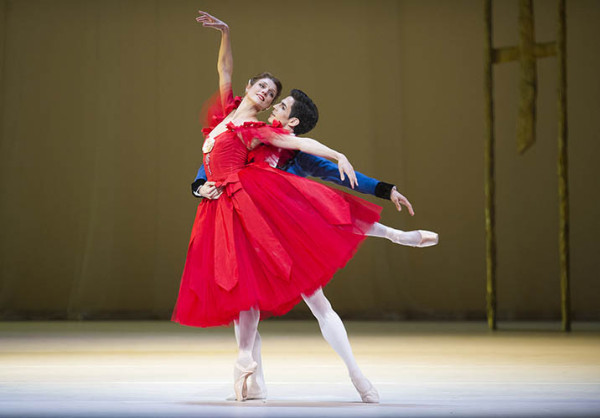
(100,139)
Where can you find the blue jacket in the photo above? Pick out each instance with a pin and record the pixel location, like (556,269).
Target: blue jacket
(308,165)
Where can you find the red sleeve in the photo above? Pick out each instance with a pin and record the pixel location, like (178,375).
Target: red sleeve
(265,154)
(256,130)
(217,108)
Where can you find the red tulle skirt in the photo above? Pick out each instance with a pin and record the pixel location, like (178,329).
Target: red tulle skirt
(270,238)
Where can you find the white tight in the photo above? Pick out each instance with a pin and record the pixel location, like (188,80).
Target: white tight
(332,328)
(410,238)
(331,325)
(246,333)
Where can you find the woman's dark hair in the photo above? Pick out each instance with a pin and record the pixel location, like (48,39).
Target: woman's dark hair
(305,110)
(270,77)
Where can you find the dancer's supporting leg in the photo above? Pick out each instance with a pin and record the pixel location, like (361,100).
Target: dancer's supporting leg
(417,238)
(257,389)
(335,334)
(245,364)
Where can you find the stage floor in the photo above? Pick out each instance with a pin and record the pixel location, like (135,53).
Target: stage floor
(160,369)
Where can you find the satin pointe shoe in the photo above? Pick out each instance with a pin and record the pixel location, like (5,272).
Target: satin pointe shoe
(240,377)
(418,238)
(428,239)
(256,391)
(366,390)
(253,395)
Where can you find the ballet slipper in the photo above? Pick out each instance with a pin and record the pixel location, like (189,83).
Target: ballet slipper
(240,377)
(257,396)
(418,238)
(365,389)
(428,239)
(256,391)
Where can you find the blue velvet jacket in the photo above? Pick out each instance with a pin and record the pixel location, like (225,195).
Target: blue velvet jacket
(308,165)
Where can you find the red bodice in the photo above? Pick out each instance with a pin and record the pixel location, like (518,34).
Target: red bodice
(229,153)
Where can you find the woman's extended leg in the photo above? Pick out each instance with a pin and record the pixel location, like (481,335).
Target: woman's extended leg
(417,238)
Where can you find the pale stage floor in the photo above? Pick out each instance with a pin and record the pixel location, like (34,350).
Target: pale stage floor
(160,369)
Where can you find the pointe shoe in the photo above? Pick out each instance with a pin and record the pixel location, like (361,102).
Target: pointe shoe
(368,395)
(256,391)
(240,377)
(428,239)
(252,395)
(418,238)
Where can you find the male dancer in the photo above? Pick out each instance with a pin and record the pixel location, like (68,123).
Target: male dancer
(298,114)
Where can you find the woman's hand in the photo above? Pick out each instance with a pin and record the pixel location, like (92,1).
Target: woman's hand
(209,21)
(346,168)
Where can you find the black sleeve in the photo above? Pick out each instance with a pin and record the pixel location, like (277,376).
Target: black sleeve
(383,190)
(199,183)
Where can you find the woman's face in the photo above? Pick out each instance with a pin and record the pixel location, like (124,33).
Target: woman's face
(262,93)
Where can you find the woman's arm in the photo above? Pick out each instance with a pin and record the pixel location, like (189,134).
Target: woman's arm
(314,147)
(225,60)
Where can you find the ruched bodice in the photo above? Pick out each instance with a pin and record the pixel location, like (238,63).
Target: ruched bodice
(228,156)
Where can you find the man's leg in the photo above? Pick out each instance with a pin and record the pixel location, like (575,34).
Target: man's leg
(335,334)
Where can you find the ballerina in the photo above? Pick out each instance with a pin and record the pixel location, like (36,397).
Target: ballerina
(244,260)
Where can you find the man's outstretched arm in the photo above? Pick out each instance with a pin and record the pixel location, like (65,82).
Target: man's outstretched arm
(307,165)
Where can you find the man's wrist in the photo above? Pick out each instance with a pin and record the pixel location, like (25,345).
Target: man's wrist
(384,190)
(196,187)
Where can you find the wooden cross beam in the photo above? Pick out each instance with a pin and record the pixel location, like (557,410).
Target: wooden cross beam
(527,52)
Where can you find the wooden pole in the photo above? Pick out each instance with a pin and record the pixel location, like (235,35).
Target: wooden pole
(528,84)
(563,181)
(490,185)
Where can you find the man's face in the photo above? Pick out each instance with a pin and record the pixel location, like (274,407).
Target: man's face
(281,111)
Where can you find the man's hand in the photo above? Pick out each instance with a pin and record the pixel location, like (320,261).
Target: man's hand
(209,21)
(399,200)
(209,191)
(346,168)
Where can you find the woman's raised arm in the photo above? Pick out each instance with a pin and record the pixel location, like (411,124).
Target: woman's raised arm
(225,61)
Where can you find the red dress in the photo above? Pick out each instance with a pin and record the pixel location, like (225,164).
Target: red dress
(269,238)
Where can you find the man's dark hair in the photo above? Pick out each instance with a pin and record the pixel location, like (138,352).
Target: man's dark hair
(305,110)
(270,77)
